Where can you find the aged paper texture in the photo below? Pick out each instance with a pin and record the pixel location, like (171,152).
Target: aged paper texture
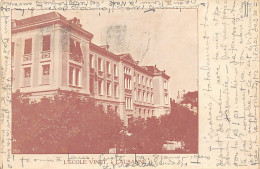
(129,84)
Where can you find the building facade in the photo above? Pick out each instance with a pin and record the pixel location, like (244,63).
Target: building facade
(50,52)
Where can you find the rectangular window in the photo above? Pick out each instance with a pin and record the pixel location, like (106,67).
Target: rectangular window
(46,43)
(144,99)
(75,47)
(135,94)
(108,67)
(28,46)
(74,76)
(116,90)
(127,70)
(128,82)
(75,50)
(100,64)
(91,61)
(27,76)
(165,84)
(108,89)
(45,74)
(115,70)
(78,49)
(128,103)
(70,75)
(125,83)
(100,87)
(139,95)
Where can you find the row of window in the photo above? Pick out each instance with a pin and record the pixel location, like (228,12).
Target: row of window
(101,89)
(128,103)
(144,81)
(101,65)
(128,83)
(75,48)
(127,70)
(46,44)
(45,75)
(76,54)
(143,96)
(144,113)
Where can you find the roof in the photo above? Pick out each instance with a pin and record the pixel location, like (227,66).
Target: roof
(152,69)
(156,72)
(128,58)
(102,50)
(39,18)
(48,19)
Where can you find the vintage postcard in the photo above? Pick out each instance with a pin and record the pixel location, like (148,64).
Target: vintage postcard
(130,84)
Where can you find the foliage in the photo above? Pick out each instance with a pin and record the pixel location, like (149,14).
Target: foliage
(190,98)
(182,125)
(67,123)
(150,135)
(63,124)
(147,136)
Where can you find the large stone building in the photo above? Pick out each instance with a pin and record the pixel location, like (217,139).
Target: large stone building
(50,52)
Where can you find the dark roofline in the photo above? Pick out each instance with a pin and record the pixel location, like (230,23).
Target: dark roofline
(156,72)
(102,51)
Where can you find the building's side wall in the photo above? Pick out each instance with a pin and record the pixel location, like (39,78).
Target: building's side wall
(162,103)
(143,95)
(57,45)
(66,62)
(36,62)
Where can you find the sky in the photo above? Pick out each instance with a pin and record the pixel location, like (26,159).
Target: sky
(165,38)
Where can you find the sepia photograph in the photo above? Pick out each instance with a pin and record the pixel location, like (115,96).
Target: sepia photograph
(96,83)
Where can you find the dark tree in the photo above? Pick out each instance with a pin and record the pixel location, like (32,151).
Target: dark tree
(191,98)
(63,124)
